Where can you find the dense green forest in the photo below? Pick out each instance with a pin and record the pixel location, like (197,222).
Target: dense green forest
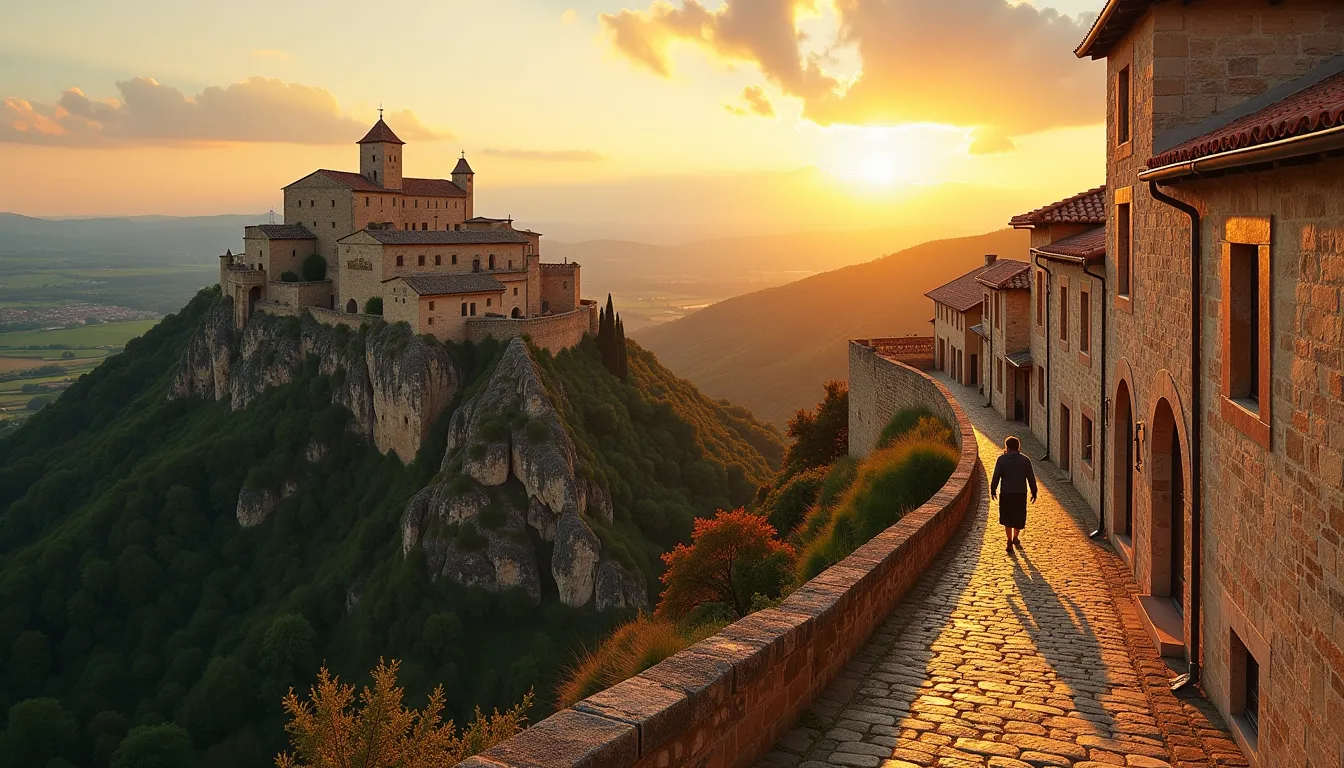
(130,596)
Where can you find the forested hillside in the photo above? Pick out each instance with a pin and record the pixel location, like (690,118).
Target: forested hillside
(130,595)
(772,350)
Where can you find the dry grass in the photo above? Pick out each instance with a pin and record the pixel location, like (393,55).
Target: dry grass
(631,649)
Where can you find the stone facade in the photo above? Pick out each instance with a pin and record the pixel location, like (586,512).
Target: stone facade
(958,347)
(1007,332)
(377,225)
(554,332)
(1264,551)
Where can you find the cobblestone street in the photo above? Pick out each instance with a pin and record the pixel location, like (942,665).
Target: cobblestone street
(1033,659)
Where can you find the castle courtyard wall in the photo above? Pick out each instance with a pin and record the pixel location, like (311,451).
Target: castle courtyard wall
(315,293)
(559,287)
(554,332)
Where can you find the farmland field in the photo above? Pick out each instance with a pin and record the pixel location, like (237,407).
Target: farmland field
(106,334)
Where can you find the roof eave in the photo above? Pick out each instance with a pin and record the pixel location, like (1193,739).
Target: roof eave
(1320,142)
(1084,48)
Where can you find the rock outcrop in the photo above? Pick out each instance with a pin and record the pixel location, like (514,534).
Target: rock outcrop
(395,384)
(255,505)
(510,438)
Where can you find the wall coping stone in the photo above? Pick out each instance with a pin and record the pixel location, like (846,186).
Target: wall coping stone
(728,698)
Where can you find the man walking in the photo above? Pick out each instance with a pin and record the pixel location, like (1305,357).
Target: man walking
(1013,470)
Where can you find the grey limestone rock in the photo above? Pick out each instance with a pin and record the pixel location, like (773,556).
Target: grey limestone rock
(255,505)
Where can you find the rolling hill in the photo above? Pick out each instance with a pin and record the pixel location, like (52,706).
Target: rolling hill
(772,350)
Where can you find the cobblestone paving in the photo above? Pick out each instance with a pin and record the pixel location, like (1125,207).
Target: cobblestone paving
(1033,659)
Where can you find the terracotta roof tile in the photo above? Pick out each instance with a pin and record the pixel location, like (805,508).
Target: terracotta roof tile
(463,166)
(445,237)
(1089,245)
(962,294)
(1314,108)
(380,132)
(1006,276)
(409,186)
(1115,19)
(440,283)
(1083,208)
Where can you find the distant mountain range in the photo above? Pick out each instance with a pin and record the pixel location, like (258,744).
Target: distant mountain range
(772,350)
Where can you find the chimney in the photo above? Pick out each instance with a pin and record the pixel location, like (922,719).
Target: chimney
(990,258)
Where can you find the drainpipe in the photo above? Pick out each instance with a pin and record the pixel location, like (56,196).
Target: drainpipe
(1049,369)
(989,385)
(1191,676)
(1105,411)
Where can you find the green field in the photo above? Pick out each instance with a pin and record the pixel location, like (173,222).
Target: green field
(104,335)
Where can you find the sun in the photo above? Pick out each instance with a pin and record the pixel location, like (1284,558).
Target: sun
(880,168)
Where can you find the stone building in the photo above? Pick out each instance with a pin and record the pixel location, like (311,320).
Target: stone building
(1224,354)
(956,314)
(1068,247)
(1005,290)
(390,237)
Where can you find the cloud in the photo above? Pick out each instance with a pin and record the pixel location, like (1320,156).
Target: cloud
(569,16)
(150,113)
(273,54)
(754,102)
(1004,70)
(547,156)
(990,141)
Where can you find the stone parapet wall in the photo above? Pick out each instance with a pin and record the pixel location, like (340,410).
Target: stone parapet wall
(880,386)
(314,293)
(551,332)
(282,310)
(352,320)
(727,699)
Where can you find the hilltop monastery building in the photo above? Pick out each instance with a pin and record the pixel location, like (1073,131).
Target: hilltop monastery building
(414,246)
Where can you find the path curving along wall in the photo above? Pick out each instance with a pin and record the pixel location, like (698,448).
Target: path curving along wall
(726,700)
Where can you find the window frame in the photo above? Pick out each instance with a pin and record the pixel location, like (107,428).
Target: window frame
(1124,256)
(1063,321)
(1085,324)
(1242,236)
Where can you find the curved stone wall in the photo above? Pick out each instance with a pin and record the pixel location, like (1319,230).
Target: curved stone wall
(727,699)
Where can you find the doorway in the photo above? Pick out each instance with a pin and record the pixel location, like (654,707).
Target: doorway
(1123,470)
(352,306)
(1178,526)
(1065,438)
(975,370)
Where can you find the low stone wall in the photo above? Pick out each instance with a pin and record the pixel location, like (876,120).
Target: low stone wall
(313,293)
(273,308)
(552,332)
(726,700)
(352,320)
(880,386)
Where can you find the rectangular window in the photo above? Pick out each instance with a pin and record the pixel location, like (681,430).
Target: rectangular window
(431,306)
(1065,438)
(454,258)
(473,309)
(515,290)
(1085,449)
(998,312)
(1243,346)
(431,321)
(421,262)
(1252,709)
(489,302)
(438,260)
(1084,321)
(366,202)
(1064,313)
(1040,386)
(1122,107)
(464,309)
(1123,256)
(998,374)
(989,307)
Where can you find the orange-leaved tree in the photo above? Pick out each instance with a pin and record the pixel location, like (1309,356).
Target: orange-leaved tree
(731,557)
(331,730)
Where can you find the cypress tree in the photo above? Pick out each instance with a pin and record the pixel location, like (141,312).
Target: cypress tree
(622,358)
(607,339)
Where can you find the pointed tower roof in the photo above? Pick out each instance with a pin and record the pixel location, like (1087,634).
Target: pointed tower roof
(462,166)
(380,133)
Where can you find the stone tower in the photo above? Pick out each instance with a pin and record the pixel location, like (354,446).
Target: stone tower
(464,177)
(380,156)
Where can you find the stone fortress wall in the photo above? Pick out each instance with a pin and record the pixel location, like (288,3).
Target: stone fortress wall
(728,698)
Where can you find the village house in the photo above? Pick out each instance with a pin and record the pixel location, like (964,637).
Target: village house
(1005,290)
(409,249)
(956,317)
(1224,356)
(1068,247)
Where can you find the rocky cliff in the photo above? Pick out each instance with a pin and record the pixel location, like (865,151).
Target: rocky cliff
(396,384)
(512,466)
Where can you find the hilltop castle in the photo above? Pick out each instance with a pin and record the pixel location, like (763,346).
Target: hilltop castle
(409,249)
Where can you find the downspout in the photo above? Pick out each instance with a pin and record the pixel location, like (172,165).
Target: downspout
(1196,404)
(989,361)
(1106,412)
(1049,369)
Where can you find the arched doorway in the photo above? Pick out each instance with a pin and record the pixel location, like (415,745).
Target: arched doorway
(1123,468)
(516,313)
(253,296)
(352,306)
(1167,535)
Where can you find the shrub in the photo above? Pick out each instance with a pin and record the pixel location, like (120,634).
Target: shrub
(314,267)
(731,558)
(374,306)
(631,649)
(470,539)
(288,276)
(787,505)
(889,483)
(905,421)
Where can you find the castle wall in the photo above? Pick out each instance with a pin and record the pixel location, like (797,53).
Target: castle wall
(316,293)
(554,332)
(326,208)
(361,276)
(559,287)
(879,388)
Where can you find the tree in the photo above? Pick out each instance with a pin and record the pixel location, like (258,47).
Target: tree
(374,306)
(820,437)
(29,662)
(223,698)
(39,731)
(331,730)
(622,359)
(155,746)
(314,267)
(288,277)
(731,557)
(287,648)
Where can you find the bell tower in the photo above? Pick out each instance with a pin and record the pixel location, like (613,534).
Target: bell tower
(465,178)
(380,155)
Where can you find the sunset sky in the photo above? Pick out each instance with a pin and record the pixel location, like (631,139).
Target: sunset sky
(209,107)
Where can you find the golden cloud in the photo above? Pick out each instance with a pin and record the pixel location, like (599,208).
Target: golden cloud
(754,102)
(148,112)
(1003,70)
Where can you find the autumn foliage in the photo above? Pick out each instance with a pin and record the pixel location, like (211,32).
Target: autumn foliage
(331,730)
(731,557)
